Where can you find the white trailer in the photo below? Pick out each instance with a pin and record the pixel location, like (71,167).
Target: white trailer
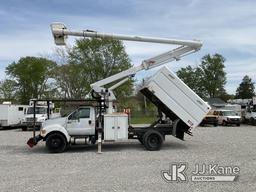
(183,108)
(11,115)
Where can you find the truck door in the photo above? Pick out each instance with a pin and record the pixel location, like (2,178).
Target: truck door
(80,122)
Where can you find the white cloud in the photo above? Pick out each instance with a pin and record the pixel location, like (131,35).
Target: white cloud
(227,27)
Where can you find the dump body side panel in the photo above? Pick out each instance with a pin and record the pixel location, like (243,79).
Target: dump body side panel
(175,98)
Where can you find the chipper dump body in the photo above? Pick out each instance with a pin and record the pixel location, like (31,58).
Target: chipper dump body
(174,98)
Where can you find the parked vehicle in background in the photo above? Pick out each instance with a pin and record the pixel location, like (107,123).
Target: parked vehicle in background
(40,114)
(210,119)
(227,117)
(11,115)
(250,112)
(234,107)
(250,115)
(248,109)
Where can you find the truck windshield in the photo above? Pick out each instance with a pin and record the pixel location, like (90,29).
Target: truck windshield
(39,110)
(229,113)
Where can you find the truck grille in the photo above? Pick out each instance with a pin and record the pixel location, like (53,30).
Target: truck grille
(211,118)
(30,119)
(234,120)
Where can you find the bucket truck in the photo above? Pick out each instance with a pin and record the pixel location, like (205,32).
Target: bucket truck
(182,108)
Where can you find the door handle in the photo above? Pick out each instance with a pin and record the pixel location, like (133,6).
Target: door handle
(90,122)
(69,122)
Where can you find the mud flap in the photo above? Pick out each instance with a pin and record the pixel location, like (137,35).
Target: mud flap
(179,128)
(33,141)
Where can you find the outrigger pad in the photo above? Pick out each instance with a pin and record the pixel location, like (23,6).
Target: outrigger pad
(31,142)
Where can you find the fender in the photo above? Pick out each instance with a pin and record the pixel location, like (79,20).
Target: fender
(52,128)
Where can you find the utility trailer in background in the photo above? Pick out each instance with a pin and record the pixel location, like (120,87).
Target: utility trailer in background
(11,115)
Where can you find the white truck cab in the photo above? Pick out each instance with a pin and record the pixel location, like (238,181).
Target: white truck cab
(79,123)
(226,117)
(41,114)
(250,114)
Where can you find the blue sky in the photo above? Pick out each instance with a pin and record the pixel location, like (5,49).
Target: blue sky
(226,27)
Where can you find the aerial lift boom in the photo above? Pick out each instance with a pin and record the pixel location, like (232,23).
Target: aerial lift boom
(60,33)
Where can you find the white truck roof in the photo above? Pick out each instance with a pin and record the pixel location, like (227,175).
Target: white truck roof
(174,97)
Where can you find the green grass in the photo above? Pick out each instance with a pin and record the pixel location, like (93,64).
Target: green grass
(142,120)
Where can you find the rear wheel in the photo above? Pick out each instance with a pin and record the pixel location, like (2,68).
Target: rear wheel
(238,124)
(24,128)
(56,143)
(153,140)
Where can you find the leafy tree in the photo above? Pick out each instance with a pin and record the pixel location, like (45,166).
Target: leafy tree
(246,89)
(8,89)
(193,78)
(91,60)
(72,81)
(208,79)
(31,75)
(214,76)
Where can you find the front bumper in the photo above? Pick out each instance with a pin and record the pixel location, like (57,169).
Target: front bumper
(209,121)
(31,124)
(233,121)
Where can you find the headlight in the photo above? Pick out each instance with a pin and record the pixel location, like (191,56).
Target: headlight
(42,131)
(42,119)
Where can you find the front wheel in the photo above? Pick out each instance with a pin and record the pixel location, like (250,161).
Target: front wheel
(140,139)
(56,143)
(153,140)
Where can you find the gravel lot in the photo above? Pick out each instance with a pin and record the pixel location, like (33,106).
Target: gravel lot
(127,166)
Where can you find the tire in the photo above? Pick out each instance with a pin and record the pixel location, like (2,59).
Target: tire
(56,143)
(140,139)
(238,124)
(153,140)
(93,140)
(224,123)
(24,128)
(251,121)
(215,124)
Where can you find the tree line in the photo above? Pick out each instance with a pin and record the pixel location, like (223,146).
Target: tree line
(208,79)
(90,60)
